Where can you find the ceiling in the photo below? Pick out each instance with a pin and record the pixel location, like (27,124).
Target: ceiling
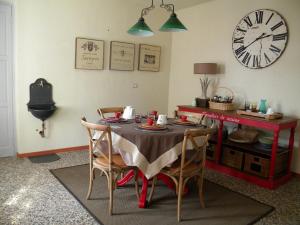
(179,4)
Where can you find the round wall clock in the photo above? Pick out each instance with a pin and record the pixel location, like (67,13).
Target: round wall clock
(260,38)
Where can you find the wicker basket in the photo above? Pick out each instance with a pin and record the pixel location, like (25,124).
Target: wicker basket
(221,105)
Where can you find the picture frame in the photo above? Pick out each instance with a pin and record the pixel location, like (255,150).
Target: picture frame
(149,58)
(89,54)
(122,55)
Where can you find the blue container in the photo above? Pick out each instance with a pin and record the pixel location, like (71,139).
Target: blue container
(263,106)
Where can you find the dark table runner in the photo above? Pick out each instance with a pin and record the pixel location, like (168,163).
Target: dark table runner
(152,144)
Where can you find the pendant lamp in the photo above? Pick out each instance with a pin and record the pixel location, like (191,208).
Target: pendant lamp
(173,24)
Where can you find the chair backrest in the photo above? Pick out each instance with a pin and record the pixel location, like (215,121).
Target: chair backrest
(197,150)
(103,111)
(104,134)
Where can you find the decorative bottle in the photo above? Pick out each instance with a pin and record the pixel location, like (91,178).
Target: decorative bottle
(263,106)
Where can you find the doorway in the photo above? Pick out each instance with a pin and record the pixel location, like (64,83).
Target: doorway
(7,140)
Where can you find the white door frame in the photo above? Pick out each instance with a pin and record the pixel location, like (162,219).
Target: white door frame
(12,74)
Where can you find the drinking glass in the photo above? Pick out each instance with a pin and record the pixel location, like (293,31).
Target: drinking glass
(138,118)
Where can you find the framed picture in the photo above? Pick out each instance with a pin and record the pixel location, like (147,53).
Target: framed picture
(89,54)
(149,58)
(121,56)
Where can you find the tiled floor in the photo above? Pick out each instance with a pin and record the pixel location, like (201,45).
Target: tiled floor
(29,194)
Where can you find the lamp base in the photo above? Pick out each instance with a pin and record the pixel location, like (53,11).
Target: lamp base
(202,102)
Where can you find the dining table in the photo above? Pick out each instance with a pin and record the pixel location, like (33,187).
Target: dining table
(148,150)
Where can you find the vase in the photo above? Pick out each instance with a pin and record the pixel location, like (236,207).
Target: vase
(263,106)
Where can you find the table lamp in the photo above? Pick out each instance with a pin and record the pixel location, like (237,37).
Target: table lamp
(204,68)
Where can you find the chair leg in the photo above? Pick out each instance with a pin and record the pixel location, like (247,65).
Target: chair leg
(152,189)
(110,206)
(200,189)
(92,172)
(136,184)
(179,200)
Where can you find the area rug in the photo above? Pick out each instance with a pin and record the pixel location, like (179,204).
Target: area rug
(223,206)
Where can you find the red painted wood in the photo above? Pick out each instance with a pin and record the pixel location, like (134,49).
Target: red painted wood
(219,144)
(247,177)
(231,116)
(166,180)
(144,191)
(288,125)
(276,126)
(169,182)
(291,147)
(273,155)
(143,194)
(128,177)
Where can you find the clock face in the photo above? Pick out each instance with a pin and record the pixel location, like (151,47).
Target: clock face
(260,38)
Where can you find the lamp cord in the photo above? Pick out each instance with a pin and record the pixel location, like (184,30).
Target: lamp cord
(145,11)
(168,7)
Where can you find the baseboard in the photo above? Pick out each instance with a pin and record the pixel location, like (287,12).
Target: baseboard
(53,151)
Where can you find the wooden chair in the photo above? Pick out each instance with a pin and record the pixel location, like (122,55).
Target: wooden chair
(189,167)
(103,111)
(112,165)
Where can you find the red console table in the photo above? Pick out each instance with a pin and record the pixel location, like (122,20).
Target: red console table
(272,125)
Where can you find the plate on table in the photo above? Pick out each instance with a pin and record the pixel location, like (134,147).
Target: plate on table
(184,123)
(114,120)
(154,127)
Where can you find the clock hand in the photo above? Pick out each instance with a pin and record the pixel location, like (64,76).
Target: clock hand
(260,37)
(265,36)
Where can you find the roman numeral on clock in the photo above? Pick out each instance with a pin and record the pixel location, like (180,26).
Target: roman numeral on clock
(246,58)
(256,61)
(279,37)
(267,58)
(275,49)
(241,30)
(239,40)
(248,21)
(276,26)
(269,18)
(259,16)
(240,50)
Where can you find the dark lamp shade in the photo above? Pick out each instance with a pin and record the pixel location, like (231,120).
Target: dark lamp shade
(140,29)
(205,68)
(173,24)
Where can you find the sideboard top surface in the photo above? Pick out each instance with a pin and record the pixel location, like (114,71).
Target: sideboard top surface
(232,116)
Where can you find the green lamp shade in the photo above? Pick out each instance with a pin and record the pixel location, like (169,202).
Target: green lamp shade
(173,24)
(140,29)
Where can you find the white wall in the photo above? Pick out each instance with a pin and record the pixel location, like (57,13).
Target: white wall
(45,34)
(211,25)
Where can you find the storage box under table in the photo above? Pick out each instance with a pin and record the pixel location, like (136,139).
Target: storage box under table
(261,166)
(233,158)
